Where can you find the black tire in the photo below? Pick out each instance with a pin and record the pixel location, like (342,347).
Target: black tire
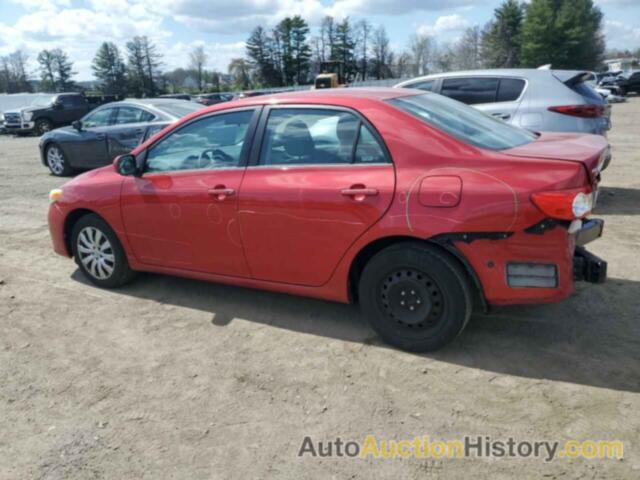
(56,160)
(415,297)
(43,125)
(85,243)
(622,91)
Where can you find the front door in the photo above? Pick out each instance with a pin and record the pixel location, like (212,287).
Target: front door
(321,179)
(182,211)
(88,147)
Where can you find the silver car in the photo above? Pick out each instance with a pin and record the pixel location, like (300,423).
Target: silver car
(539,100)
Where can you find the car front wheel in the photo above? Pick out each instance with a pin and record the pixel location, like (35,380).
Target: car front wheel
(43,126)
(99,254)
(415,297)
(57,162)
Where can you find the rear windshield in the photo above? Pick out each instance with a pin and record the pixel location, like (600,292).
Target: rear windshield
(587,92)
(463,122)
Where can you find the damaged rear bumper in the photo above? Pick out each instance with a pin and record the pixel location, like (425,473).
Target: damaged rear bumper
(587,267)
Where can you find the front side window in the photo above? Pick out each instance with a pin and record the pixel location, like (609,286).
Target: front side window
(462,122)
(132,115)
(472,91)
(210,143)
(307,136)
(98,118)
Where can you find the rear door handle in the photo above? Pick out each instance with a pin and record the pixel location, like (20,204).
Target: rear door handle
(221,192)
(359,193)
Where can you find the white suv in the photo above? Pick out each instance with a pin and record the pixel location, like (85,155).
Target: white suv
(539,100)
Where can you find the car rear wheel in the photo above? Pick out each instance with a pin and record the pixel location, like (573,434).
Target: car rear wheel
(43,126)
(99,254)
(415,297)
(57,162)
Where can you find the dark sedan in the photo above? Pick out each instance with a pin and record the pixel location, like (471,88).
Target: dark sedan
(107,132)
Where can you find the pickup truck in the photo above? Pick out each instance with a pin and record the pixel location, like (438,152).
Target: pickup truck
(46,112)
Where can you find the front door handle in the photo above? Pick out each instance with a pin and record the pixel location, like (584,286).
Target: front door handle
(502,116)
(359,192)
(221,192)
(100,136)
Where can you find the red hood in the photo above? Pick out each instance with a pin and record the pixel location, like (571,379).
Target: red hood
(582,148)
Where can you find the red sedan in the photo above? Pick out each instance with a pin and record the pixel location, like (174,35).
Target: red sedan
(416,206)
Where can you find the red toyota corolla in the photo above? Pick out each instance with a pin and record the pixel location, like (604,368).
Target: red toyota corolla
(416,206)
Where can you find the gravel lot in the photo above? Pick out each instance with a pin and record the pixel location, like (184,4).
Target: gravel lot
(172,378)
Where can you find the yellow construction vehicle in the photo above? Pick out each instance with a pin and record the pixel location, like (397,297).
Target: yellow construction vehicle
(331,75)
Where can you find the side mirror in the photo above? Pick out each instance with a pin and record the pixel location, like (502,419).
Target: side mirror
(77,124)
(57,106)
(126,165)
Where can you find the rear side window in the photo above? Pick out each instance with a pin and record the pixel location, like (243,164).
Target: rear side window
(132,115)
(472,90)
(510,89)
(308,136)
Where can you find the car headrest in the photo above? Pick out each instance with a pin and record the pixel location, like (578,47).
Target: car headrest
(297,140)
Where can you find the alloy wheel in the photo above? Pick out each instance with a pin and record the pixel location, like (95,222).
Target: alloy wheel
(96,253)
(55,160)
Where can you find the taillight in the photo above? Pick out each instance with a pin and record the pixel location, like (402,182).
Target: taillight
(584,111)
(564,204)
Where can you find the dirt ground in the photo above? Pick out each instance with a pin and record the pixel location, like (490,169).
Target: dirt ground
(171,378)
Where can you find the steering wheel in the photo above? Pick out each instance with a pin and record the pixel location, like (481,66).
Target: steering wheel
(217,156)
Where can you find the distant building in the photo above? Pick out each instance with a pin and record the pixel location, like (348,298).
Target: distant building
(624,64)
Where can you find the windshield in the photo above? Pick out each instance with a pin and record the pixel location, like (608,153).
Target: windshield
(42,101)
(179,109)
(463,122)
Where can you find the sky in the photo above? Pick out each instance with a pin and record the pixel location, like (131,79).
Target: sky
(222,26)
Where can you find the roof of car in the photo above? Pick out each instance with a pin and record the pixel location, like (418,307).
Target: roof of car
(497,72)
(329,94)
(153,101)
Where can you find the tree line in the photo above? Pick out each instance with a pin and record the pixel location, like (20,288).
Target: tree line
(564,33)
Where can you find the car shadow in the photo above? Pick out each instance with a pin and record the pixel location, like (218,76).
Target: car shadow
(618,201)
(592,339)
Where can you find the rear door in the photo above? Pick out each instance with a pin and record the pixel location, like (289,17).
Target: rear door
(318,179)
(498,97)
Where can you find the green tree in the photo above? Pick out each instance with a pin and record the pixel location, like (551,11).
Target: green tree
(501,40)
(295,53)
(64,70)
(56,70)
(344,46)
(108,67)
(565,33)
(261,53)
(239,69)
(143,64)
(46,61)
